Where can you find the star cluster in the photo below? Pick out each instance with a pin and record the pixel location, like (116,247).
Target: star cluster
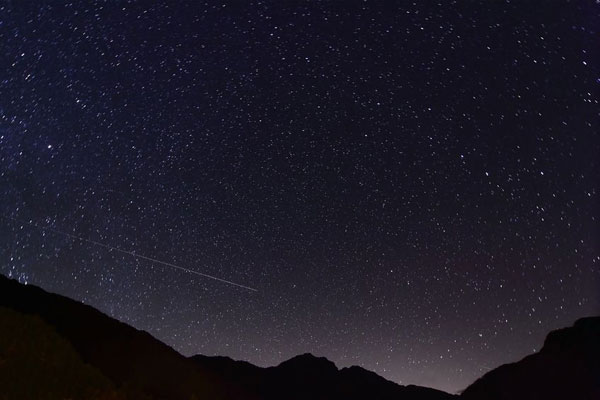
(412,188)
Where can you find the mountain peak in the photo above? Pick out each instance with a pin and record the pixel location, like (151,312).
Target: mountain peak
(585,333)
(566,367)
(139,366)
(308,359)
(136,365)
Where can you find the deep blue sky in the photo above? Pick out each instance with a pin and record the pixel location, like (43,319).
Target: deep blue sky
(410,188)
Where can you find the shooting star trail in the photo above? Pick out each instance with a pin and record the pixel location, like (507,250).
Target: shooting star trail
(131,253)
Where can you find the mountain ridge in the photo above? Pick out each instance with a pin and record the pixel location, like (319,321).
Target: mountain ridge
(567,366)
(145,368)
(138,366)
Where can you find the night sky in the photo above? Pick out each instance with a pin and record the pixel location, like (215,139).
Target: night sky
(412,188)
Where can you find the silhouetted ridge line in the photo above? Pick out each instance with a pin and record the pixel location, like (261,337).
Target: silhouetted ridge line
(141,367)
(116,361)
(567,367)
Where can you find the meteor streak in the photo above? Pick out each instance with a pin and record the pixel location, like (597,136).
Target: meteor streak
(133,254)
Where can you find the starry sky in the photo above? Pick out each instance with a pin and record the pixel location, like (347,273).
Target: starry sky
(409,187)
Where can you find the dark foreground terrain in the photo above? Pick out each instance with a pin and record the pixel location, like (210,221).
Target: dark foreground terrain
(53,347)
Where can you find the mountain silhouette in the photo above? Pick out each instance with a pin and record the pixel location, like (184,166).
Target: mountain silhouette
(141,367)
(308,377)
(567,367)
(61,348)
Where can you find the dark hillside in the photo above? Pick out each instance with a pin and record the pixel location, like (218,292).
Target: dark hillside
(567,367)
